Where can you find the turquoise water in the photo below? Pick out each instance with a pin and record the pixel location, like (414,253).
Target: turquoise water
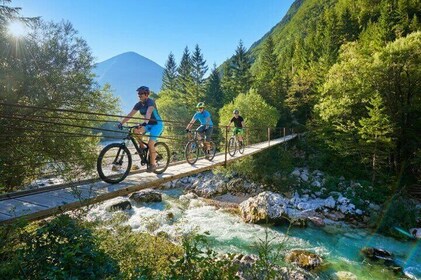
(339,247)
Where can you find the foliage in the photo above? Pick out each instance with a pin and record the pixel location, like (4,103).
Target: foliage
(139,255)
(169,77)
(201,262)
(62,248)
(50,69)
(199,70)
(237,77)
(257,114)
(214,95)
(270,256)
(360,103)
(185,81)
(270,167)
(269,81)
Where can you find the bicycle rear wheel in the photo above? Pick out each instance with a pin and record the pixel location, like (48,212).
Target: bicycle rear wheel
(192,152)
(231,146)
(162,157)
(114,163)
(212,151)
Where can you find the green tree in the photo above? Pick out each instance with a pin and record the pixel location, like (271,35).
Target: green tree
(375,131)
(50,69)
(214,96)
(268,79)
(397,77)
(237,76)
(199,70)
(185,79)
(169,77)
(257,114)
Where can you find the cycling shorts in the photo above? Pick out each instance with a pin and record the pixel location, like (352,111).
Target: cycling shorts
(154,130)
(208,132)
(238,130)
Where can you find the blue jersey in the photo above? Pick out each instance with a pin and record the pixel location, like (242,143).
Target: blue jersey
(202,116)
(142,107)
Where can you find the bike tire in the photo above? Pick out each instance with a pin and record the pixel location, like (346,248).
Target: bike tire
(232,146)
(241,147)
(191,152)
(114,163)
(212,151)
(162,157)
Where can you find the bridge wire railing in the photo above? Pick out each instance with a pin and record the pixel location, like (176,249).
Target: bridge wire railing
(39,126)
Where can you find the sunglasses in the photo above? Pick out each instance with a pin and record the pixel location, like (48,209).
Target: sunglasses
(140,94)
(201,108)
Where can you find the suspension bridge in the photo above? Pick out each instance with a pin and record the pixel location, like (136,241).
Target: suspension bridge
(46,202)
(42,202)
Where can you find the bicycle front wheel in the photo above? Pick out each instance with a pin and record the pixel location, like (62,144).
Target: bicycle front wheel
(114,163)
(212,151)
(231,146)
(192,152)
(162,157)
(241,147)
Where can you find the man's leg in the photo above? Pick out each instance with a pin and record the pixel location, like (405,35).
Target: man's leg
(152,152)
(138,135)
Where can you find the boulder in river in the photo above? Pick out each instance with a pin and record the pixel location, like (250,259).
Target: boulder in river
(146,196)
(304,259)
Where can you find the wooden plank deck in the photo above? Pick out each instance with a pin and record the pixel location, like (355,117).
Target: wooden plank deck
(42,205)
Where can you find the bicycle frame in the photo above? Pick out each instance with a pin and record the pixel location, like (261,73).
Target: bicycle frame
(141,152)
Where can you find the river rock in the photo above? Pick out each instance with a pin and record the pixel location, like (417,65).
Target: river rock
(344,275)
(304,259)
(122,205)
(416,232)
(146,196)
(317,221)
(377,254)
(265,207)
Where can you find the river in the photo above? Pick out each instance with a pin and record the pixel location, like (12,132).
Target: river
(339,247)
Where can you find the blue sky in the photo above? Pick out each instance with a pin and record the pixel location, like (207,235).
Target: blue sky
(154,28)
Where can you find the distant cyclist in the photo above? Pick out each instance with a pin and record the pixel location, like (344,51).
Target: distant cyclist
(206,124)
(238,126)
(152,126)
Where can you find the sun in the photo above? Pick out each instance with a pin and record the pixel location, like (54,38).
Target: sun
(17,29)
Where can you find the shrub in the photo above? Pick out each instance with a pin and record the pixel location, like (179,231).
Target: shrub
(63,248)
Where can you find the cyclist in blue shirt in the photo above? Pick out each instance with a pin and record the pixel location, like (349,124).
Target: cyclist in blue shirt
(152,126)
(206,124)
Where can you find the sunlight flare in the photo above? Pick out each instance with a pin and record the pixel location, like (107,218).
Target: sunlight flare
(17,29)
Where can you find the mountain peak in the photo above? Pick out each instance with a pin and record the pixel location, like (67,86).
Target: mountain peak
(126,72)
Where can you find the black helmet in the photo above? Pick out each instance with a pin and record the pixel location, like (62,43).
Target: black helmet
(143,90)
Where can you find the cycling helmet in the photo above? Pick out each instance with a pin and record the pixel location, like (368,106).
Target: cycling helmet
(235,111)
(200,105)
(143,90)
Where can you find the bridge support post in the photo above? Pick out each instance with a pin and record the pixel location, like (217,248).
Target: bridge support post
(268,136)
(226,146)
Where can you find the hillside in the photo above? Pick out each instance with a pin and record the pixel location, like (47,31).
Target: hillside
(125,73)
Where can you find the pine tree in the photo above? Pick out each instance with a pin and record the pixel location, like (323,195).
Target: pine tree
(269,81)
(214,96)
(376,134)
(184,77)
(199,70)
(348,27)
(169,77)
(237,76)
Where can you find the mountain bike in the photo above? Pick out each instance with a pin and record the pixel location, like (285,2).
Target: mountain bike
(195,146)
(115,160)
(234,144)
